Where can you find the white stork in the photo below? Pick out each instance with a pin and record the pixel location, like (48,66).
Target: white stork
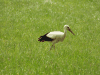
(55,36)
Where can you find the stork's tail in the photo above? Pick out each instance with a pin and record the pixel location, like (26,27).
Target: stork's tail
(41,39)
(44,38)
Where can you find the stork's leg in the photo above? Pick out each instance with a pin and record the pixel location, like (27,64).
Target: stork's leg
(51,47)
(54,46)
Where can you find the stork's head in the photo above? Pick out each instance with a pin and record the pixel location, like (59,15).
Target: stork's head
(67,27)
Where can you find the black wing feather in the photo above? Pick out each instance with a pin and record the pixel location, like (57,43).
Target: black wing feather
(44,38)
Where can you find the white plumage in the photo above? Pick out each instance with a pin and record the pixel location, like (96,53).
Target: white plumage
(55,36)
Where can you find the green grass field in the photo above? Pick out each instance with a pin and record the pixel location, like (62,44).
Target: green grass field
(23,21)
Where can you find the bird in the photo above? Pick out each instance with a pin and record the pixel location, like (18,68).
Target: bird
(55,36)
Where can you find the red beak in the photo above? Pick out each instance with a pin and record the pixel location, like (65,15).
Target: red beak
(71,31)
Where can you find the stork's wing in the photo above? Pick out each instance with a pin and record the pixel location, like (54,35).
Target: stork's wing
(54,34)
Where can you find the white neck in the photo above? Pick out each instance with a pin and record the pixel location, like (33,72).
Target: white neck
(65,31)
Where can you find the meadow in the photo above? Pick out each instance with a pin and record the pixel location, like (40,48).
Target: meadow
(22,22)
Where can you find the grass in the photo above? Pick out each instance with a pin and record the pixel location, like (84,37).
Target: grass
(23,21)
